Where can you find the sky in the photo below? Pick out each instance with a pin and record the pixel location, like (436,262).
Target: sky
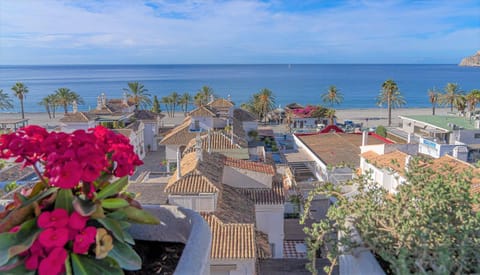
(238,32)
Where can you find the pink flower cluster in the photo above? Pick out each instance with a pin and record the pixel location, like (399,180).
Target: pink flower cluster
(71,158)
(48,253)
(305,111)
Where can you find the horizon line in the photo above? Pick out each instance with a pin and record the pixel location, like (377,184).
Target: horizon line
(218,64)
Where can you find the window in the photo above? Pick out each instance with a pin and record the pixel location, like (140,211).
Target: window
(477,135)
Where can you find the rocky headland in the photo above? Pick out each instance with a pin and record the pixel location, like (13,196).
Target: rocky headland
(471,61)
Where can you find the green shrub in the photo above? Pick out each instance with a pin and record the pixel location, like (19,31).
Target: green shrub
(381,131)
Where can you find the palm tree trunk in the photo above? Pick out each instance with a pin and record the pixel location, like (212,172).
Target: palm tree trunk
(433,110)
(21,105)
(65,107)
(48,111)
(389,112)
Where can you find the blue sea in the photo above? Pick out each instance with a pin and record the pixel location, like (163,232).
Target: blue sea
(304,84)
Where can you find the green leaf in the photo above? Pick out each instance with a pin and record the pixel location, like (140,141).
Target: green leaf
(117,215)
(18,270)
(64,200)
(114,226)
(128,238)
(125,256)
(83,264)
(84,207)
(12,244)
(40,196)
(113,188)
(114,203)
(139,215)
(68,266)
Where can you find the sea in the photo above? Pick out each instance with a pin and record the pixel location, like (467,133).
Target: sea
(299,83)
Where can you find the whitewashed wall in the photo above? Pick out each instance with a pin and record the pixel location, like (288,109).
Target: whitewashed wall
(269,220)
(245,179)
(238,267)
(199,203)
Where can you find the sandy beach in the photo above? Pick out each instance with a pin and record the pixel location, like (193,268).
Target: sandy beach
(376,116)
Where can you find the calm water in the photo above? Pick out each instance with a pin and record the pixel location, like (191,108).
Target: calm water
(360,84)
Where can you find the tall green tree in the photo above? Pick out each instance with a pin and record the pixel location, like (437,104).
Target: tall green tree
(139,94)
(156,105)
(5,101)
(451,95)
(45,102)
(175,98)
(52,98)
(202,97)
(332,96)
(330,113)
(66,97)
(472,99)
(265,102)
(184,101)
(20,91)
(168,102)
(390,95)
(433,98)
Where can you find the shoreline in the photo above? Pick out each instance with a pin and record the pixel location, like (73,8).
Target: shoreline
(376,116)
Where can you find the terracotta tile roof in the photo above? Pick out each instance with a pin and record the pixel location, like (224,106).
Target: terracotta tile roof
(147,115)
(394,160)
(197,176)
(264,196)
(263,246)
(243,115)
(337,148)
(77,117)
(218,141)
(191,184)
(231,241)
(179,135)
(203,111)
(220,102)
(250,165)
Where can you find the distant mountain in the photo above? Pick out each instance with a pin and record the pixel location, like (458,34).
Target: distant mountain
(471,61)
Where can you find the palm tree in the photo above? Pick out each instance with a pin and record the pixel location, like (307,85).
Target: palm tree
(472,99)
(175,97)
(460,103)
(390,95)
(289,120)
(168,101)
(5,101)
(332,96)
(156,105)
(52,98)
(66,97)
(20,91)
(330,113)
(265,102)
(139,94)
(203,96)
(433,97)
(184,100)
(46,103)
(452,92)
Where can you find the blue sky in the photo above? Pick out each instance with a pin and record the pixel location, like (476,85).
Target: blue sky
(219,32)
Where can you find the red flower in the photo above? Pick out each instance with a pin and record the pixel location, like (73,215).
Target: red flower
(66,176)
(84,239)
(36,254)
(77,222)
(54,263)
(52,237)
(57,218)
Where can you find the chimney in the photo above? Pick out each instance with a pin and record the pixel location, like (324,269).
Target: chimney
(104,99)
(409,138)
(212,98)
(179,172)
(75,106)
(229,98)
(99,103)
(198,147)
(209,142)
(407,162)
(365,138)
(125,98)
(231,135)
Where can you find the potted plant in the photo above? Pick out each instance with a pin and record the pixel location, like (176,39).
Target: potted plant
(75,219)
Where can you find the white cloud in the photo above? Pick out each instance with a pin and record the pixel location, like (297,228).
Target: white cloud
(237,31)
